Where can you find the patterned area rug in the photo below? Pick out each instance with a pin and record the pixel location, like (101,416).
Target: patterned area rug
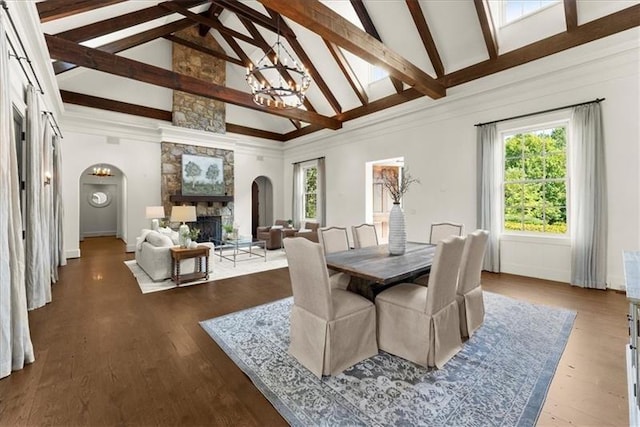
(499,378)
(219,269)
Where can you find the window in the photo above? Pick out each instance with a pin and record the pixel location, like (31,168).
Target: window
(310,186)
(377,73)
(512,10)
(535,180)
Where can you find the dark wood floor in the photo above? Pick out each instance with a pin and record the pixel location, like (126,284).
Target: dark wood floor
(106,354)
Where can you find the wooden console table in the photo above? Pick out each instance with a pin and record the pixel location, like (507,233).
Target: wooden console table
(178,254)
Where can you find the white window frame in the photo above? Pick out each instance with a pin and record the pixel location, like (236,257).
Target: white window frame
(531,124)
(503,12)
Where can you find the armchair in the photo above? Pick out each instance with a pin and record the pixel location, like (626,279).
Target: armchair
(309,231)
(274,234)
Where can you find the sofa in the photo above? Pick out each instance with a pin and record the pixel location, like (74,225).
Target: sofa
(309,231)
(274,234)
(153,255)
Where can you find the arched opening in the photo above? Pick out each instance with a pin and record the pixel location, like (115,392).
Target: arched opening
(102,202)
(261,203)
(378,199)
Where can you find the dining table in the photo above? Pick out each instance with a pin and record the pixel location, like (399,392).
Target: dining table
(373,269)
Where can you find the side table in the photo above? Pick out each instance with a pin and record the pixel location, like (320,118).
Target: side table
(178,254)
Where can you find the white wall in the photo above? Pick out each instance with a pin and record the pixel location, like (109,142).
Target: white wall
(133,145)
(439,147)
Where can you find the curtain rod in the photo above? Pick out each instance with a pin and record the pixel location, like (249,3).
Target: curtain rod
(54,124)
(308,160)
(598,100)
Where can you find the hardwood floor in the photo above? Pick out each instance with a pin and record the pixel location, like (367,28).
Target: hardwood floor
(106,354)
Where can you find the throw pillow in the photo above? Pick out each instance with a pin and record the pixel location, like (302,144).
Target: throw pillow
(159,240)
(276,227)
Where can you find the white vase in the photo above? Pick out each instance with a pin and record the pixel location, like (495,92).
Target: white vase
(397,231)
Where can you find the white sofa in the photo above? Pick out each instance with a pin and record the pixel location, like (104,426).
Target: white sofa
(153,256)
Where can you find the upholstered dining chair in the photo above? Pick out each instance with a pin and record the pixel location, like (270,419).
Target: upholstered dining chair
(331,329)
(421,324)
(469,295)
(441,230)
(364,235)
(335,239)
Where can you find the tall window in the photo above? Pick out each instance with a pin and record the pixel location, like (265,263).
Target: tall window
(535,180)
(310,186)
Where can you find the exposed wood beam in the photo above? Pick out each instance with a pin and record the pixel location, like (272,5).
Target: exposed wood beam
(248,24)
(109,63)
(377,105)
(203,49)
(571,14)
(213,12)
(256,17)
(117,106)
(211,22)
(306,61)
(348,72)
(334,28)
(588,32)
(427,39)
(488,30)
(117,23)
(131,41)
(153,113)
(55,9)
(245,58)
(370,28)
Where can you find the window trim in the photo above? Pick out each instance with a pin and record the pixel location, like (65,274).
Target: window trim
(529,124)
(502,15)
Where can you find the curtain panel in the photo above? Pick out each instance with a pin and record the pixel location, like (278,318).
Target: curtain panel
(296,198)
(588,198)
(322,193)
(16,348)
(489,195)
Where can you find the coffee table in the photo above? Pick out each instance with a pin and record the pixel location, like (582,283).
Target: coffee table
(230,249)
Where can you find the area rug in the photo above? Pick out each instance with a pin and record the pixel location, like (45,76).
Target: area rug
(219,269)
(499,378)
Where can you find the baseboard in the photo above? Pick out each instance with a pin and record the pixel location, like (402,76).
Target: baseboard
(131,248)
(72,253)
(537,272)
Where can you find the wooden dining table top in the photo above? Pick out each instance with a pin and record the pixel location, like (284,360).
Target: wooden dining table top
(375,264)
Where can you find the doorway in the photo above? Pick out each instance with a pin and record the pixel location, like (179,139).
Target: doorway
(261,203)
(378,199)
(101,202)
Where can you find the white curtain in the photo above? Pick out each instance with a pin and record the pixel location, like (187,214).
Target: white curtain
(296,196)
(15,340)
(38,274)
(58,257)
(588,198)
(489,194)
(47,198)
(322,193)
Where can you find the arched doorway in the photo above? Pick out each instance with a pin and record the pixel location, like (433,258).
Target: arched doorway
(102,202)
(261,203)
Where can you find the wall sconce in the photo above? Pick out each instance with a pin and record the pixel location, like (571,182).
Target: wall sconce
(47,178)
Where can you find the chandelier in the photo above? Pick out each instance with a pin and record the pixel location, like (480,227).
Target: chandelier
(268,85)
(102,172)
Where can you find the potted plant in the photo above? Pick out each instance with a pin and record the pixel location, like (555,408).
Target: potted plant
(290,223)
(397,187)
(228,231)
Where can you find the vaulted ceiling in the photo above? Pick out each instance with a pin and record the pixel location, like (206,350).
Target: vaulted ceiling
(427,48)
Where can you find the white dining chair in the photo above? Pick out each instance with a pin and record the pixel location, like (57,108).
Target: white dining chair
(364,235)
(421,324)
(335,239)
(469,295)
(442,230)
(331,329)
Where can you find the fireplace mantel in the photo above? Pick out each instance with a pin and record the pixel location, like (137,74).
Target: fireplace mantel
(178,198)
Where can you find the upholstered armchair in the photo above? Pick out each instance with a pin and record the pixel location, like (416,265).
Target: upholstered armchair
(331,329)
(309,231)
(274,234)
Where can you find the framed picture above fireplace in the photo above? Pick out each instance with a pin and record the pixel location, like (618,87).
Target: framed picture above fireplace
(202,176)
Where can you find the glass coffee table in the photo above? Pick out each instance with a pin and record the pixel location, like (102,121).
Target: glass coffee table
(231,249)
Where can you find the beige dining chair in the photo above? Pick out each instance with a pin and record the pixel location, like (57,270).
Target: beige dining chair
(331,329)
(441,230)
(421,324)
(335,239)
(469,295)
(364,235)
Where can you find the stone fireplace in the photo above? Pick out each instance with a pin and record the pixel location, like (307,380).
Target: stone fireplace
(210,228)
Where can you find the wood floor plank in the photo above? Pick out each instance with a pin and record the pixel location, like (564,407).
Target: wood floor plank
(109,355)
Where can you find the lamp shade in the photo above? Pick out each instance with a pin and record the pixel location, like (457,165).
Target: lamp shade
(153,212)
(183,214)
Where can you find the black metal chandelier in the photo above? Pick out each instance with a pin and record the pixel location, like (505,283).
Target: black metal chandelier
(277,80)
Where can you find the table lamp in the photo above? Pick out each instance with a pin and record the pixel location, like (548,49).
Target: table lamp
(183,214)
(154,213)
